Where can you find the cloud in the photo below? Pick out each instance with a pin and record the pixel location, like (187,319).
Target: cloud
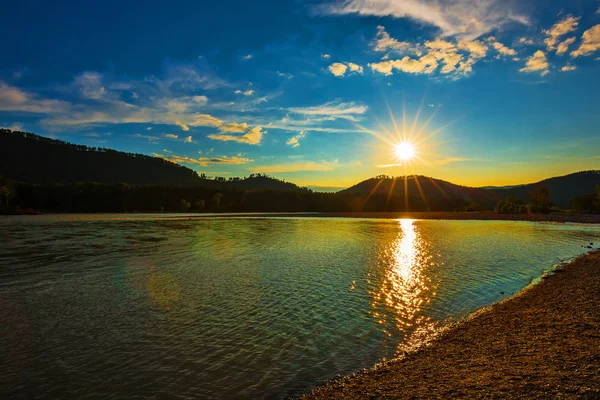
(247,57)
(537,63)
(332,110)
(188,139)
(295,167)
(590,42)
(284,75)
(254,137)
(294,141)
(90,85)
(564,46)
(568,68)
(388,165)
(503,50)
(171,136)
(561,28)
(15,99)
(449,160)
(153,139)
(326,56)
(248,92)
(182,125)
(355,68)
(234,127)
(425,65)
(384,42)
(477,48)
(466,18)
(526,41)
(204,161)
(167,151)
(338,69)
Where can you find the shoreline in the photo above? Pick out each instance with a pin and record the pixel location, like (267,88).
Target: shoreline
(435,215)
(544,342)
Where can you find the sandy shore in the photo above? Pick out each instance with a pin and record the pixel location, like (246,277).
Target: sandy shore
(542,343)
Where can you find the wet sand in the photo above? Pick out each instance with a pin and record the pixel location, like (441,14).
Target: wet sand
(542,343)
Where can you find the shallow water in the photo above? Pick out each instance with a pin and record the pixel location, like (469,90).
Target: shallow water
(146,306)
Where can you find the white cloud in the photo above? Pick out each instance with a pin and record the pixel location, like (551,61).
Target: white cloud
(537,63)
(284,75)
(338,69)
(247,57)
(568,68)
(248,92)
(152,139)
(294,141)
(332,110)
(188,139)
(466,18)
(326,56)
(171,136)
(561,28)
(254,137)
(90,85)
(590,42)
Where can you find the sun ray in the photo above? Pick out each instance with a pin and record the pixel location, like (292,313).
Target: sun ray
(418,184)
(364,203)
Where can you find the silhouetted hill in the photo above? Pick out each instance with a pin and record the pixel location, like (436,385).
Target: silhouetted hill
(30,158)
(431,191)
(561,189)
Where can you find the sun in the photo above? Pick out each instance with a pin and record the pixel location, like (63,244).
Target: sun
(404,151)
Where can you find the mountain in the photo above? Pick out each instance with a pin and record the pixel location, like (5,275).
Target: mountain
(561,189)
(433,192)
(30,158)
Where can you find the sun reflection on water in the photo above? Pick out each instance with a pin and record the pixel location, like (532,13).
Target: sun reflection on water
(405,287)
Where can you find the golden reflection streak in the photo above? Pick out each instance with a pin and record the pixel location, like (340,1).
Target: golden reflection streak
(404,288)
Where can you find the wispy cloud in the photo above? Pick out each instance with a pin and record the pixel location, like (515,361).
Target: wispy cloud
(466,18)
(171,136)
(15,99)
(295,167)
(205,161)
(332,110)
(253,136)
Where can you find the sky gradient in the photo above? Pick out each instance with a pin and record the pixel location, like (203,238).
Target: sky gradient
(491,92)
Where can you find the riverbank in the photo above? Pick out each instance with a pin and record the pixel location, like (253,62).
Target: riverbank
(542,343)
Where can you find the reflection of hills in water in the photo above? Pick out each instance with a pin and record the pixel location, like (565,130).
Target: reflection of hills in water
(238,308)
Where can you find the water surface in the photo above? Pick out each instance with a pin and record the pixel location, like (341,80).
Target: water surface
(146,306)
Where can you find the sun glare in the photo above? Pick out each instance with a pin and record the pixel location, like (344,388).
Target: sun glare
(404,151)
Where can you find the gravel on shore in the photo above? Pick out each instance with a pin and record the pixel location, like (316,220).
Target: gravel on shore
(542,343)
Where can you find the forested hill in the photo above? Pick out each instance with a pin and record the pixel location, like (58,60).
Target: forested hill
(30,158)
(561,189)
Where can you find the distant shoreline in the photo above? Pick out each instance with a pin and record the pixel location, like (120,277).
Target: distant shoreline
(541,343)
(477,216)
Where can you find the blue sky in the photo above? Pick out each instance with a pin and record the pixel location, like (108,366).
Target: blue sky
(490,92)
